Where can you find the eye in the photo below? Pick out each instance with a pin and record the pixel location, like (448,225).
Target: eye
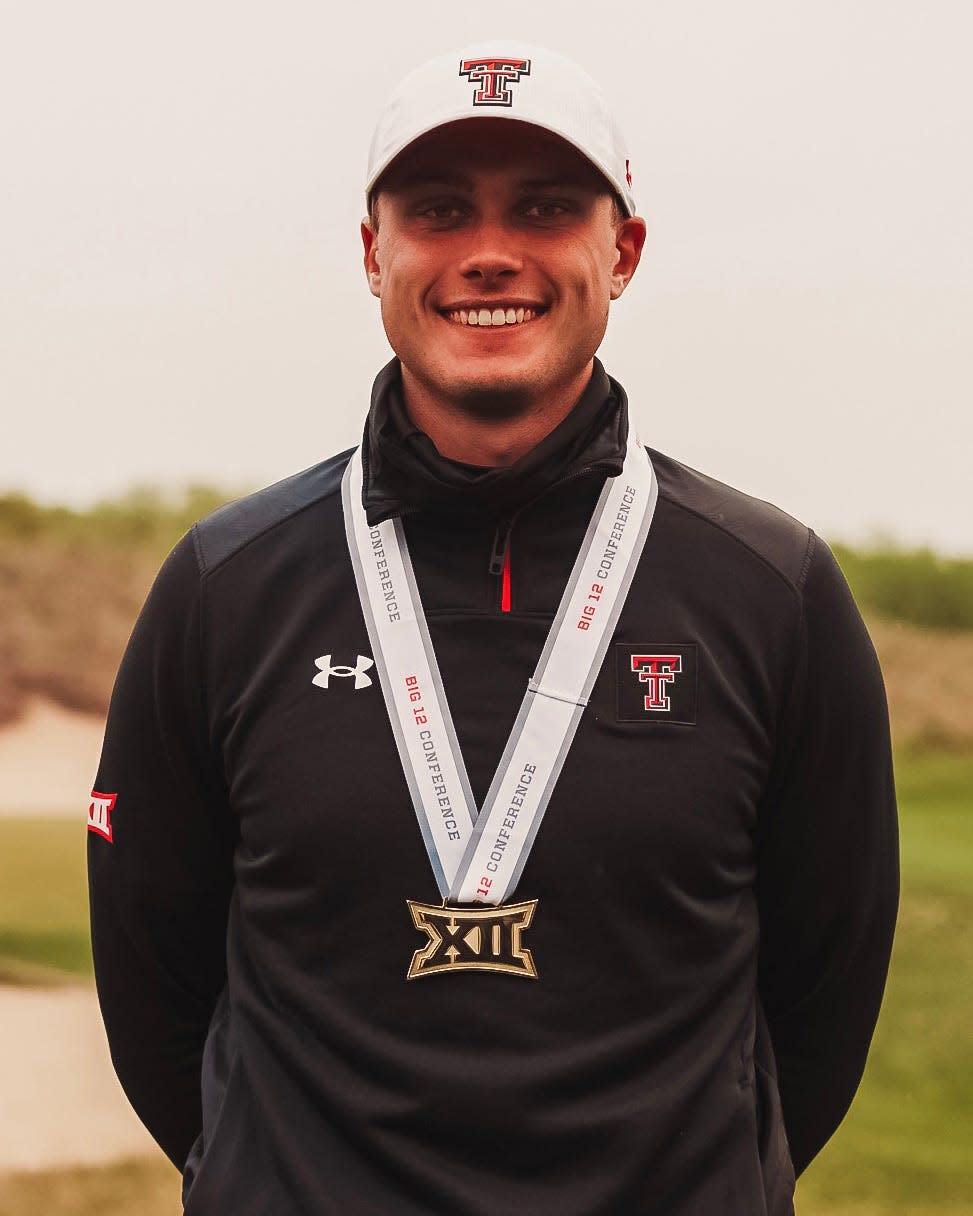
(546,209)
(440,211)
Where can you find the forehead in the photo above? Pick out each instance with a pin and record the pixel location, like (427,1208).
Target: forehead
(461,151)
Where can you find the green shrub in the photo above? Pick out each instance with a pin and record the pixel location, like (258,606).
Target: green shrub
(916,585)
(144,519)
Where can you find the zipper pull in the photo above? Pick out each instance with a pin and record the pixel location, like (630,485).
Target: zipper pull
(501,540)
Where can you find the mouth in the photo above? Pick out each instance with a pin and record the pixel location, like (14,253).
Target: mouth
(493,316)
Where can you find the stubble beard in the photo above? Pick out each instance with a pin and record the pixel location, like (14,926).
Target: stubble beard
(502,397)
(501,400)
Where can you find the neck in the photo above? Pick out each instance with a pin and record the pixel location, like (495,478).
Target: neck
(479,439)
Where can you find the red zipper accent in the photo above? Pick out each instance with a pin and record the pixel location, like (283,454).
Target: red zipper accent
(505,586)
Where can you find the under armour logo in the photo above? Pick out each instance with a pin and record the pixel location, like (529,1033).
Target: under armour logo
(493,75)
(358,671)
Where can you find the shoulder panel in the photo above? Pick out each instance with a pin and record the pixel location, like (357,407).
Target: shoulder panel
(780,540)
(230,527)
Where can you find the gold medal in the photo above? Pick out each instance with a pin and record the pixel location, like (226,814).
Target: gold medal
(472,939)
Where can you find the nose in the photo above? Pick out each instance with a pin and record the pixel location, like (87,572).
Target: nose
(493,253)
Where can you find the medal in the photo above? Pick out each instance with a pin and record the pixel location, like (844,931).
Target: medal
(478,857)
(473,939)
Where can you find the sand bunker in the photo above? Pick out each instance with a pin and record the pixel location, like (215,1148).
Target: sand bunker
(48,761)
(60,1102)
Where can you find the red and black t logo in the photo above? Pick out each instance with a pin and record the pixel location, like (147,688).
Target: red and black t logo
(657,682)
(492,75)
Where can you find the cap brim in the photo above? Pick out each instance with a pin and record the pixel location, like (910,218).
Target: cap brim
(392,155)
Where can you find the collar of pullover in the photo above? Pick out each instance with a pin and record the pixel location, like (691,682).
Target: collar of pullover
(405,473)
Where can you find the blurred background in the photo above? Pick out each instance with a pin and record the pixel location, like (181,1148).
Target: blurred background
(183,317)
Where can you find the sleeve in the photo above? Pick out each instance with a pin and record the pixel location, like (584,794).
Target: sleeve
(160,855)
(827,865)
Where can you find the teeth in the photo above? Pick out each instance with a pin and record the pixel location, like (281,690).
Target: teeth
(496,316)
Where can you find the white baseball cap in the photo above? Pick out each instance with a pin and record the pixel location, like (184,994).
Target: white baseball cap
(504,78)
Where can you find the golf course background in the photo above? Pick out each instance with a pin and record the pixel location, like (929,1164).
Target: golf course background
(70,585)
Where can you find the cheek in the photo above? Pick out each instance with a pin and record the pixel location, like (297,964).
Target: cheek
(400,289)
(403,269)
(589,277)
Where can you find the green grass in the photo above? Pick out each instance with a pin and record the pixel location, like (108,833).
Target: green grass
(43,900)
(905,1149)
(128,1188)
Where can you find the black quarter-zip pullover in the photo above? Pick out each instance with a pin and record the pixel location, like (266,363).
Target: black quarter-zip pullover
(717,879)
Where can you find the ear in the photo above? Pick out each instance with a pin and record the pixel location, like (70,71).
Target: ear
(373,272)
(629,239)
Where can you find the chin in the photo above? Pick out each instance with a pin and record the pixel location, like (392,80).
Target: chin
(500,400)
(495,391)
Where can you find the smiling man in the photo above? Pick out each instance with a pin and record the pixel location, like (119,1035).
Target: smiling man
(499,815)
(495,281)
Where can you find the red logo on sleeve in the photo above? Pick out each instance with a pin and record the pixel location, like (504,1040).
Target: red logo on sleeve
(99,813)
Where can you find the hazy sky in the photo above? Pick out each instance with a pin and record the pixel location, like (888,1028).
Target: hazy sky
(181,293)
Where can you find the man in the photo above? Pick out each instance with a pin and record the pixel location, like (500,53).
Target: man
(498,818)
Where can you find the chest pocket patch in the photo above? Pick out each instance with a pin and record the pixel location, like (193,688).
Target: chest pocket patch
(657,682)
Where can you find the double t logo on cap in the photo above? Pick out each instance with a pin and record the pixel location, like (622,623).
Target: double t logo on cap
(493,74)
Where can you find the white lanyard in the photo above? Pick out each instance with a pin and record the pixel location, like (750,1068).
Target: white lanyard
(478,858)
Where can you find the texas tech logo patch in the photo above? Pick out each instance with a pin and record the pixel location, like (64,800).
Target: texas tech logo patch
(657,682)
(99,813)
(492,76)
